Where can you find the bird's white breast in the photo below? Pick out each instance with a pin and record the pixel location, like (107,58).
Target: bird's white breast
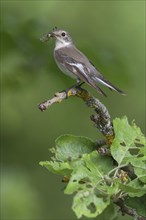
(65,70)
(60,44)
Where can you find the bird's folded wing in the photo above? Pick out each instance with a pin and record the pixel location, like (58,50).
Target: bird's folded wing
(78,68)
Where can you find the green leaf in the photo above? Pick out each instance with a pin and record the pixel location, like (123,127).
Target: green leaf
(127,140)
(70,147)
(57,168)
(98,165)
(68,152)
(79,178)
(86,203)
(123,131)
(89,183)
(129,146)
(90,173)
(134,188)
(139,166)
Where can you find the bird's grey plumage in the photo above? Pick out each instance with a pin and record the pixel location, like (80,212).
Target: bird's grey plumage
(75,64)
(69,60)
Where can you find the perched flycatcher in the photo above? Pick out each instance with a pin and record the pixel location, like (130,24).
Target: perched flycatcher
(74,63)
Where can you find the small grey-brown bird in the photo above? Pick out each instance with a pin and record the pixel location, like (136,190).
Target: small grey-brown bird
(74,63)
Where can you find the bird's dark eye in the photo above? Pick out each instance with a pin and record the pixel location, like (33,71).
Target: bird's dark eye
(63,34)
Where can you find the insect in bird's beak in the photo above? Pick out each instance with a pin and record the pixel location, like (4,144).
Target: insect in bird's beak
(46,37)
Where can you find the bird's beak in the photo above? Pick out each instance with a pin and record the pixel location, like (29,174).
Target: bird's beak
(53,34)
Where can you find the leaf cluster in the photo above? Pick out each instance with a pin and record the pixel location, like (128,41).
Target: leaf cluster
(98,181)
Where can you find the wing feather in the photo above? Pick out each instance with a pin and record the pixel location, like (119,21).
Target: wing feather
(81,71)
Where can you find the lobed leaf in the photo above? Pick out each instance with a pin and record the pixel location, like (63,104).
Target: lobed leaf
(86,203)
(70,147)
(129,146)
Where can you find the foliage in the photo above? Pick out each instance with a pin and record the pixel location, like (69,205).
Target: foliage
(96,180)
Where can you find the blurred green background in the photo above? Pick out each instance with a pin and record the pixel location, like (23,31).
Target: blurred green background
(111,34)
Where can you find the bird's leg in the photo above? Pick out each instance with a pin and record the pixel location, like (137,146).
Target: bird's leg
(76,85)
(79,84)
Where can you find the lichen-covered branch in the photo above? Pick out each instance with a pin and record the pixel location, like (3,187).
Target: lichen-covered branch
(101,119)
(128,210)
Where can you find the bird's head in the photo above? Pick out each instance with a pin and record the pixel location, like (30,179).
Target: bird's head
(62,37)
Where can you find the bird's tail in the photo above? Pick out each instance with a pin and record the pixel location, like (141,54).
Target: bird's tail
(109,85)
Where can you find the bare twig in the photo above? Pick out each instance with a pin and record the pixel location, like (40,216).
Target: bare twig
(58,97)
(102,118)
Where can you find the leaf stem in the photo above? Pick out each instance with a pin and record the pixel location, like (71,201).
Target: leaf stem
(116,169)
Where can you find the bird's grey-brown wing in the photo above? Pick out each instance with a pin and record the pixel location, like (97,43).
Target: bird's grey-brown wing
(74,61)
(91,71)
